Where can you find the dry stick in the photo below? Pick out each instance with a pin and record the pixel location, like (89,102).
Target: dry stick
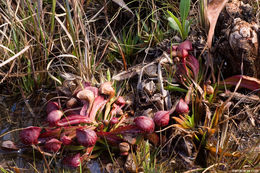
(164,93)
(194,170)
(20,74)
(214,165)
(44,158)
(119,47)
(14,57)
(11,131)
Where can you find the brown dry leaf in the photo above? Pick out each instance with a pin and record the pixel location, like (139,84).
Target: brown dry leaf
(213,10)
(153,138)
(246,82)
(122,4)
(17,170)
(213,150)
(130,164)
(126,74)
(130,139)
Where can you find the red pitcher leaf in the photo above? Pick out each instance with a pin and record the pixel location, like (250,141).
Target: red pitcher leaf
(120,101)
(54,116)
(186,45)
(30,135)
(102,134)
(116,110)
(86,137)
(87,153)
(97,105)
(50,132)
(53,145)
(68,134)
(84,109)
(86,87)
(182,107)
(162,118)
(113,139)
(86,95)
(182,73)
(70,130)
(73,119)
(114,121)
(247,82)
(193,63)
(213,10)
(52,106)
(72,161)
(145,123)
(127,129)
(106,88)
(93,89)
(86,84)
(75,111)
(66,140)
(117,106)
(110,137)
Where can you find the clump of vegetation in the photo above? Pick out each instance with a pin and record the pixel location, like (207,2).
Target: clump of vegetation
(90,115)
(182,25)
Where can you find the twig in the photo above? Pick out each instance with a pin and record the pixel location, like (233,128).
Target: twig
(11,131)
(212,166)
(44,158)
(165,94)
(15,56)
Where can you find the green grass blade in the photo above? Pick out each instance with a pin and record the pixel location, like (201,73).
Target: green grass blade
(184,10)
(175,23)
(186,29)
(53,15)
(175,88)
